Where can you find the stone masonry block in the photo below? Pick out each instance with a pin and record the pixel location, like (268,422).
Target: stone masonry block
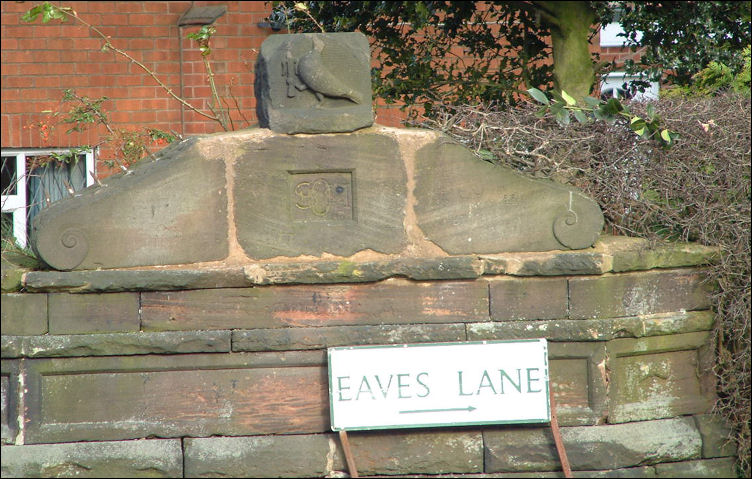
(577,373)
(23,314)
(520,449)
(173,210)
(660,377)
(93,313)
(285,339)
(632,294)
(9,373)
(417,452)
(338,194)
(393,301)
(127,397)
(115,344)
(716,436)
(314,83)
(315,455)
(594,329)
(143,458)
(530,298)
(720,468)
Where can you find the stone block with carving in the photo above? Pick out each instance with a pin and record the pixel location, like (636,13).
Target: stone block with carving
(314,83)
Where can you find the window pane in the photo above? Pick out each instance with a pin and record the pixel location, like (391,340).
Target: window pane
(50,180)
(9,175)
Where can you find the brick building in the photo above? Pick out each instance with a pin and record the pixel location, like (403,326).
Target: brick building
(41,60)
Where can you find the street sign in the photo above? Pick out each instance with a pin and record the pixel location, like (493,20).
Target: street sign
(446,384)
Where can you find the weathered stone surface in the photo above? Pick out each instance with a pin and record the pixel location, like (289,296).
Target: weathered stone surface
(631,294)
(338,194)
(93,313)
(592,447)
(172,210)
(417,452)
(556,263)
(454,267)
(109,281)
(578,378)
(126,397)
(314,455)
(595,329)
(23,314)
(716,436)
(632,254)
(314,83)
(282,339)
(169,342)
(9,413)
(393,301)
(660,376)
(144,458)
(532,298)
(722,467)
(485,208)
(11,275)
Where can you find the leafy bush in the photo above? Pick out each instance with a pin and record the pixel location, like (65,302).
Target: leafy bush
(697,190)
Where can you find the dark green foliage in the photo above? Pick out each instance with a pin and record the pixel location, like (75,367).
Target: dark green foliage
(681,38)
(489,52)
(450,51)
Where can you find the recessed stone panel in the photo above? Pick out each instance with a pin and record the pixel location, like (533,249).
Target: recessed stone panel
(310,195)
(84,399)
(660,377)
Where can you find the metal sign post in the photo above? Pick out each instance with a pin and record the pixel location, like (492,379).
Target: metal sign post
(440,384)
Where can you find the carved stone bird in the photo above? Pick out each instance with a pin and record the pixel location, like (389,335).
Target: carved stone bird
(312,74)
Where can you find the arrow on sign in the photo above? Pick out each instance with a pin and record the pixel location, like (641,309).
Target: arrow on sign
(468,409)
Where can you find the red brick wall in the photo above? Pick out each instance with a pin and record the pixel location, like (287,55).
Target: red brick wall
(40,60)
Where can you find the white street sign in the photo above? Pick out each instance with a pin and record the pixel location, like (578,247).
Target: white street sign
(447,384)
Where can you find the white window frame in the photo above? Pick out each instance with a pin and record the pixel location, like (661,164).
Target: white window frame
(17,204)
(617,79)
(610,35)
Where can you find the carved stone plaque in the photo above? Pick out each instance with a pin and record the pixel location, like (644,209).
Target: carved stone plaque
(321,196)
(314,83)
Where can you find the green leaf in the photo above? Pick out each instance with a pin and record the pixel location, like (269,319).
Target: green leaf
(580,116)
(562,117)
(637,124)
(651,111)
(541,111)
(592,102)
(567,98)
(666,136)
(538,96)
(486,155)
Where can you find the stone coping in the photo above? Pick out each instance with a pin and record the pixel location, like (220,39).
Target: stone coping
(611,254)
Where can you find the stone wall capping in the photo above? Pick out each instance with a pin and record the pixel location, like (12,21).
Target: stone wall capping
(115,344)
(611,254)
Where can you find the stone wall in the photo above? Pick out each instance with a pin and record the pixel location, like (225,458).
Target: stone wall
(222,372)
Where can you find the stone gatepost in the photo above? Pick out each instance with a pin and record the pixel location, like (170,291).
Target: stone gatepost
(182,329)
